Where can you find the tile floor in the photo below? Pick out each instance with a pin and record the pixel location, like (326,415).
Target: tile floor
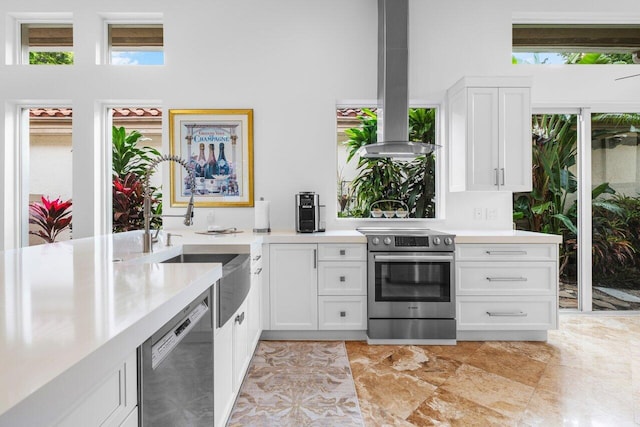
(586,374)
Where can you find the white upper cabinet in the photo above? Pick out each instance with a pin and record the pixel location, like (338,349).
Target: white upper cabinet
(490,134)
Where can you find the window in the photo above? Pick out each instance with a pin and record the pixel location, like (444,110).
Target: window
(47,162)
(136,139)
(49,44)
(575,44)
(136,44)
(385,188)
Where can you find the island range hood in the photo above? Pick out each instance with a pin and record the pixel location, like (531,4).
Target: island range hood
(393,86)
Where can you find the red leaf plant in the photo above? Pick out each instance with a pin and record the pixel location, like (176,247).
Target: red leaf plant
(52,216)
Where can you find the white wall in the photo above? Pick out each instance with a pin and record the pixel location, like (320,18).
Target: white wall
(291,60)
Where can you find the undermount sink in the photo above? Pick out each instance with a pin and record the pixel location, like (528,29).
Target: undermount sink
(234,284)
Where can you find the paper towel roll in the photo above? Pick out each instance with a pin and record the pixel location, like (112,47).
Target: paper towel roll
(262,224)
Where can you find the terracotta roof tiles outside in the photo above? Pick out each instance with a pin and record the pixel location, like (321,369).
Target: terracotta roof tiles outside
(117,112)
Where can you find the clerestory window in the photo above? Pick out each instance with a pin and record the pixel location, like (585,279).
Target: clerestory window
(46,44)
(136,44)
(575,44)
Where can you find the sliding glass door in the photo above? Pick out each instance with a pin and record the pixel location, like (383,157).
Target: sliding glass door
(615,210)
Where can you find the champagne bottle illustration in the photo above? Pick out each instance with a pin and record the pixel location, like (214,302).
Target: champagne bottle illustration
(211,168)
(201,162)
(223,165)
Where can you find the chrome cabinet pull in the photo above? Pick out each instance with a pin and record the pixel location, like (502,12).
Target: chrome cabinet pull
(502,172)
(507,313)
(315,257)
(257,257)
(239,318)
(343,278)
(507,279)
(258,271)
(496,181)
(506,252)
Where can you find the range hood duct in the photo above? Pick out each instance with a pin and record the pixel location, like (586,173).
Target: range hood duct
(393,86)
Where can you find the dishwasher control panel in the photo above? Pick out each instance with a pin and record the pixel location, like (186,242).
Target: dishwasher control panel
(171,339)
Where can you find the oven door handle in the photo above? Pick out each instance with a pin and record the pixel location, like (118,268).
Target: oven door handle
(412,258)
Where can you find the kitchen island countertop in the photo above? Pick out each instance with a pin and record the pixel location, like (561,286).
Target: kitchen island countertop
(72,310)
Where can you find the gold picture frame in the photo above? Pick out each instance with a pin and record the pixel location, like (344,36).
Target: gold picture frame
(218,146)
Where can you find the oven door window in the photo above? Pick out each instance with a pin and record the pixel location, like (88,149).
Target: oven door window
(413,281)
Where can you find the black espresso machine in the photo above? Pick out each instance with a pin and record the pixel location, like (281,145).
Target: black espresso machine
(309,213)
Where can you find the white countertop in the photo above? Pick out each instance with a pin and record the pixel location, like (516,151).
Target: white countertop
(352,236)
(503,236)
(72,310)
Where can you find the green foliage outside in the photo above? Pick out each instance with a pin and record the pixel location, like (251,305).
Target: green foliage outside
(129,165)
(50,58)
(551,207)
(410,182)
(585,58)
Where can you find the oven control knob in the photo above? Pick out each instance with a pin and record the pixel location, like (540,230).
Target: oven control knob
(448,241)
(387,240)
(436,241)
(375,241)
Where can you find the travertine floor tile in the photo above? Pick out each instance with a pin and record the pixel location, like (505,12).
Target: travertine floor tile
(503,395)
(509,364)
(445,408)
(376,416)
(460,352)
(420,363)
(399,393)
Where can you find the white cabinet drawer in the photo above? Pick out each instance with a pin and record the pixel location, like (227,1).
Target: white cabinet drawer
(505,252)
(342,278)
(512,278)
(478,313)
(342,252)
(342,312)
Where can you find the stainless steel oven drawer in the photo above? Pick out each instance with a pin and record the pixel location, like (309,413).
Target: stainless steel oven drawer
(412,329)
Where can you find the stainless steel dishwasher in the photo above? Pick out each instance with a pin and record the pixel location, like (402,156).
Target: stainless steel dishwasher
(176,369)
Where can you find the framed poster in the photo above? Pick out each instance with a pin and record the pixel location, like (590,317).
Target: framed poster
(218,147)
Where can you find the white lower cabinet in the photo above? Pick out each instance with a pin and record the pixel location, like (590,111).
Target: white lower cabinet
(318,286)
(234,344)
(506,291)
(110,403)
(293,281)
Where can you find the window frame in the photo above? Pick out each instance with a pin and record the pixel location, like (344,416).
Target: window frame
(440,154)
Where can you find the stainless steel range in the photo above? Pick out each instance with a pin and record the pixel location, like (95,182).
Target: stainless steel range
(410,285)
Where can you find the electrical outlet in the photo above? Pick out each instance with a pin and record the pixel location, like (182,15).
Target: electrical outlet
(477,213)
(492,214)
